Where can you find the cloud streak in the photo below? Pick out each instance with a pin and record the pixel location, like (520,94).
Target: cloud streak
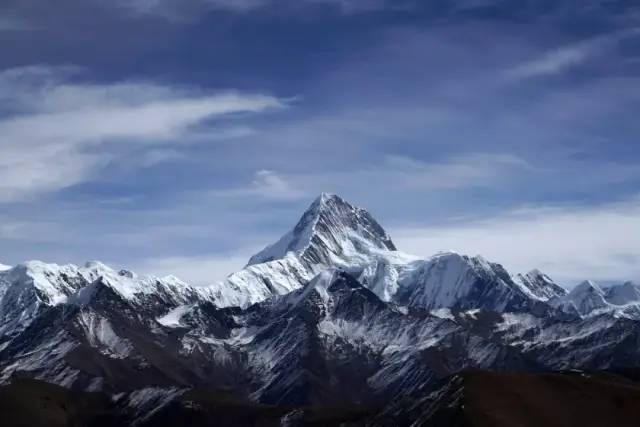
(265,185)
(564,58)
(181,10)
(53,137)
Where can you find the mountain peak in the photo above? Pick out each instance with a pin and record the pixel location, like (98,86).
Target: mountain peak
(586,286)
(585,297)
(625,293)
(539,285)
(325,197)
(328,231)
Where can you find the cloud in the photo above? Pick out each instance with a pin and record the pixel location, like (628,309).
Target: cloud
(197,270)
(564,58)
(52,138)
(399,173)
(467,171)
(461,171)
(185,10)
(266,185)
(270,185)
(179,8)
(569,243)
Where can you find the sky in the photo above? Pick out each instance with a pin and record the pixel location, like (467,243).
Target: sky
(182,136)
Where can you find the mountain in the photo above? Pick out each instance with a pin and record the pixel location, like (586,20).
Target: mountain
(623,294)
(468,399)
(333,233)
(330,232)
(583,299)
(450,280)
(540,285)
(332,315)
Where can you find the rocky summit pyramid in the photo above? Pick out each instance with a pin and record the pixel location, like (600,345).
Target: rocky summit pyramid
(330,231)
(331,315)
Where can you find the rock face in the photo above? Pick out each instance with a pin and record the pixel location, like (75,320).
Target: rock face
(330,232)
(331,314)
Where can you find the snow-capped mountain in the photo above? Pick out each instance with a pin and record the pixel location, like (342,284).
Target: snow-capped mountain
(330,232)
(588,299)
(623,294)
(584,299)
(450,280)
(333,233)
(31,289)
(539,285)
(330,313)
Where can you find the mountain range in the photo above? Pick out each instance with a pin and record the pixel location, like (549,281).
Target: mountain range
(330,325)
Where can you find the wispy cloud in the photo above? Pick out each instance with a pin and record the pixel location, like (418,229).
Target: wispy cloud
(176,8)
(564,58)
(51,139)
(569,243)
(461,171)
(267,185)
(181,10)
(468,171)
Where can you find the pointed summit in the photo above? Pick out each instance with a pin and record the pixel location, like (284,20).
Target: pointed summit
(330,231)
(587,297)
(539,285)
(625,293)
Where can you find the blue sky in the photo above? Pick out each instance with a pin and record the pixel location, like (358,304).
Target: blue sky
(181,136)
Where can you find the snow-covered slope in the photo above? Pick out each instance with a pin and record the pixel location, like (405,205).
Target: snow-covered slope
(451,280)
(330,232)
(623,294)
(29,288)
(539,285)
(335,234)
(584,299)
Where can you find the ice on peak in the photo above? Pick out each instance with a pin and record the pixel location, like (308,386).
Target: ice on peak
(452,257)
(173,280)
(329,230)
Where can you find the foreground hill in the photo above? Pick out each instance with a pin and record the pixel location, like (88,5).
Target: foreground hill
(468,399)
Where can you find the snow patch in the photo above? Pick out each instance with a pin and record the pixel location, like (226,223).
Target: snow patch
(172,318)
(100,334)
